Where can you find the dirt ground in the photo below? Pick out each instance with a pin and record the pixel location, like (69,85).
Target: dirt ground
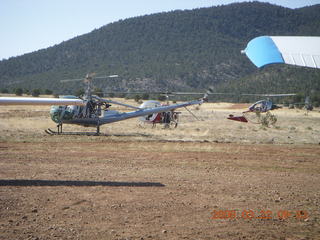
(209,179)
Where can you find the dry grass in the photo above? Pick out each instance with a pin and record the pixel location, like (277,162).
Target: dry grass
(293,126)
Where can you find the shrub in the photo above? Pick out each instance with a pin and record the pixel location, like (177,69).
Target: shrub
(18,91)
(268,119)
(35,92)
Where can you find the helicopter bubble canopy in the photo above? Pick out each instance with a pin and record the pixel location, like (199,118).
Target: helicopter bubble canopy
(149,104)
(261,106)
(60,113)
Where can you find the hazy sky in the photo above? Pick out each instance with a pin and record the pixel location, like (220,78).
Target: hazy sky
(29,25)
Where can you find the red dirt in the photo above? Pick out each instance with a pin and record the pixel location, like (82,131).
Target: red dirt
(158,190)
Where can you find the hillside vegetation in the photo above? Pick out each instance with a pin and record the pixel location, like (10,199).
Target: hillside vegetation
(179,50)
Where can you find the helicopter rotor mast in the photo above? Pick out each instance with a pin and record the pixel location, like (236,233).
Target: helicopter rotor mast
(88,80)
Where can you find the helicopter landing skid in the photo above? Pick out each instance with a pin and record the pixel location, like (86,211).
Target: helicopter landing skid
(51,132)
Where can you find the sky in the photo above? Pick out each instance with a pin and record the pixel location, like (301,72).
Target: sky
(30,25)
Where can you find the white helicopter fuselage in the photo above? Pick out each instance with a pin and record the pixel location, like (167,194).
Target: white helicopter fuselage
(152,118)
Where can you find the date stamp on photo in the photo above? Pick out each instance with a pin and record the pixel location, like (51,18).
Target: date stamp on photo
(259,214)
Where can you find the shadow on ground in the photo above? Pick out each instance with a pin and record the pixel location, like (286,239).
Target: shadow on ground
(54,183)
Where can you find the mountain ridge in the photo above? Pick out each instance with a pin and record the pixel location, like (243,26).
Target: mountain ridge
(177,50)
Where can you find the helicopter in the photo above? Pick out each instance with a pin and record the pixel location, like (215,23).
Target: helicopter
(255,111)
(91,110)
(168,118)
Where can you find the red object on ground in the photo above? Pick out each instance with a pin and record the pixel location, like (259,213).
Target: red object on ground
(239,118)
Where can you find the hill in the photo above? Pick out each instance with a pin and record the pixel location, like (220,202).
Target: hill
(178,50)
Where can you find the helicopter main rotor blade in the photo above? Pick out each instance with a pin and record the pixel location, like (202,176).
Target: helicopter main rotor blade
(72,80)
(294,50)
(113,76)
(82,79)
(270,95)
(110,76)
(40,101)
(201,93)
